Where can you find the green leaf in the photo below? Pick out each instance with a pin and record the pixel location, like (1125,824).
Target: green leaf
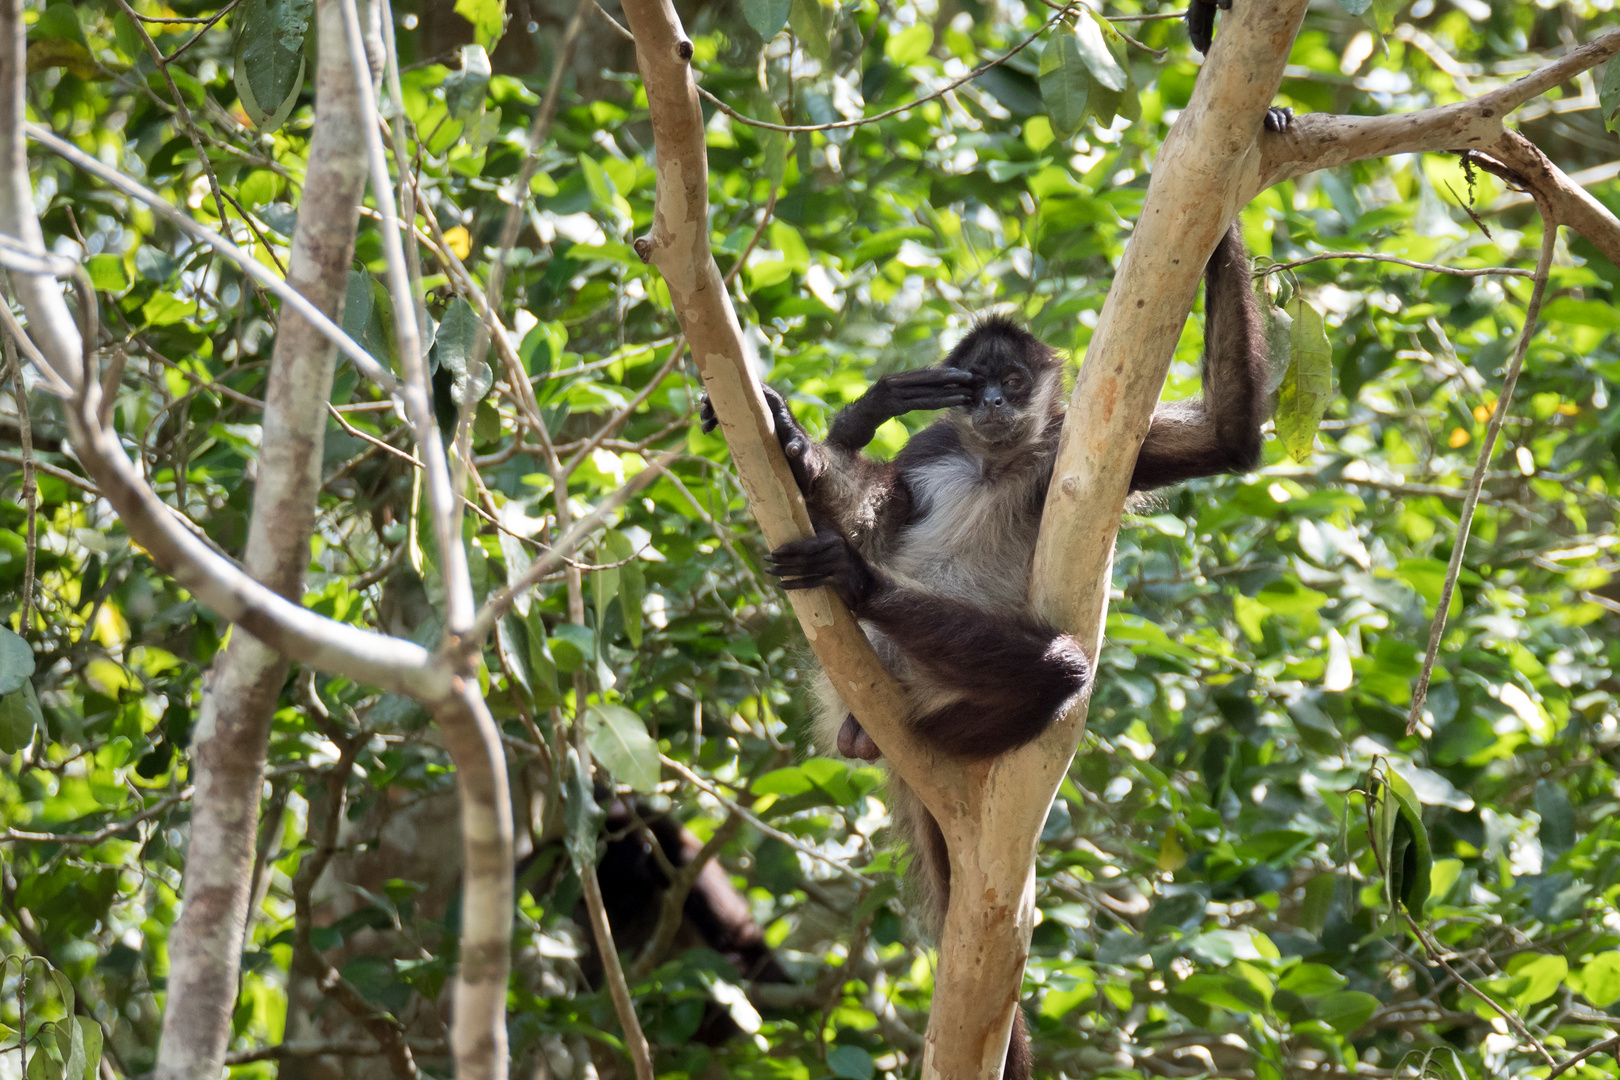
(1600,979)
(270,58)
(60,21)
(767,17)
(16,661)
(571,646)
(1105,68)
(1346,1010)
(786,782)
(809,21)
(488,18)
(851,1063)
(909,45)
(90,1033)
(632,588)
(1557,818)
(1410,860)
(464,90)
(19,716)
(619,741)
(1609,95)
(70,1043)
(454,344)
(542,346)
(1306,388)
(582,817)
(1311,978)
(107,273)
(542,668)
(1065,83)
(1545,974)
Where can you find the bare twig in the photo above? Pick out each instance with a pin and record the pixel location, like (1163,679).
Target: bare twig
(249,265)
(1432,268)
(106,832)
(1465,519)
(517,195)
(1606,1046)
(875,117)
(30,490)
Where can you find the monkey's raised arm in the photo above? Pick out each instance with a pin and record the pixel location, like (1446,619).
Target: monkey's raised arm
(895,395)
(1219,433)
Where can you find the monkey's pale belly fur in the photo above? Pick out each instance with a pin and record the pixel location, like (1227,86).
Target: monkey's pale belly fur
(973,540)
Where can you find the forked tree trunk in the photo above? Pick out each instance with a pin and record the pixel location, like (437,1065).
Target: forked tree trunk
(233,730)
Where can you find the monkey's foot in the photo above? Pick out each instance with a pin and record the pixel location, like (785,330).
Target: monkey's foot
(1278,119)
(706,415)
(854,742)
(823,559)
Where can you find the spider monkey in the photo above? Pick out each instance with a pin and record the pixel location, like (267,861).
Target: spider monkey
(933,551)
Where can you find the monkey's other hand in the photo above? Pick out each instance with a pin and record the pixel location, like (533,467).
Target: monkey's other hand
(930,388)
(824,559)
(1278,119)
(706,415)
(854,742)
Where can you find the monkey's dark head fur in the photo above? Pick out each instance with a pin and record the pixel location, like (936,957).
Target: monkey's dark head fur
(1017,383)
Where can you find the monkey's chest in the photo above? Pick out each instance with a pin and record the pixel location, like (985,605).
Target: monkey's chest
(972,536)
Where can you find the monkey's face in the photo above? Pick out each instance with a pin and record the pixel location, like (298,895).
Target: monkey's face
(1005,407)
(1013,382)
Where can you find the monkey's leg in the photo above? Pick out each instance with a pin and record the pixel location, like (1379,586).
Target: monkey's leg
(895,395)
(1221,432)
(1013,673)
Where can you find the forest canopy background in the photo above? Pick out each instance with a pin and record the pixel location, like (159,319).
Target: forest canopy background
(1214,893)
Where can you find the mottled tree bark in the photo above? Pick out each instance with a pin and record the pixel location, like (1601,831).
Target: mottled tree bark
(233,729)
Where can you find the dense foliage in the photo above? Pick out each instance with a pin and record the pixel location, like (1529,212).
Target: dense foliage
(1216,888)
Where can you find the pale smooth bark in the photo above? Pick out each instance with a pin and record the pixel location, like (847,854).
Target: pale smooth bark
(228,754)
(1323,141)
(478,999)
(470,735)
(1565,201)
(678,245)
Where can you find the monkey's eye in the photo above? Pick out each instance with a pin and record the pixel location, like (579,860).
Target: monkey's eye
(1014,382)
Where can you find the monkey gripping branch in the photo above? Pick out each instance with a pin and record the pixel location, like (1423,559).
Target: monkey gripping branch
(991,813)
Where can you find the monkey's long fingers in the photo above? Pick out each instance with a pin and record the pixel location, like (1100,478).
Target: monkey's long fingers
(706,415)
(1278,119)
(916,399)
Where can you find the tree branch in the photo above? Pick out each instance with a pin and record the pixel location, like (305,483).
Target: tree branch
(678,245)
(228,756)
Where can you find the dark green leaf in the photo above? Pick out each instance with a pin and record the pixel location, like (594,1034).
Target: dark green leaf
(1308,384)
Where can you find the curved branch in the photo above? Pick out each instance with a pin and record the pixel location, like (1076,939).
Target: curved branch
(678,245)
(1568,203)
(248,264)
(1322,141)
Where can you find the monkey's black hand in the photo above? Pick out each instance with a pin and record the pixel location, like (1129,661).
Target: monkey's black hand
(825,559)
(796,445)
(706,415)
(930,388)
(1278,119)
(897,394)
(854,742)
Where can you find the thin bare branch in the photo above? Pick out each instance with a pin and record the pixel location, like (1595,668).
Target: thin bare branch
(1465,518)
(249,265)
